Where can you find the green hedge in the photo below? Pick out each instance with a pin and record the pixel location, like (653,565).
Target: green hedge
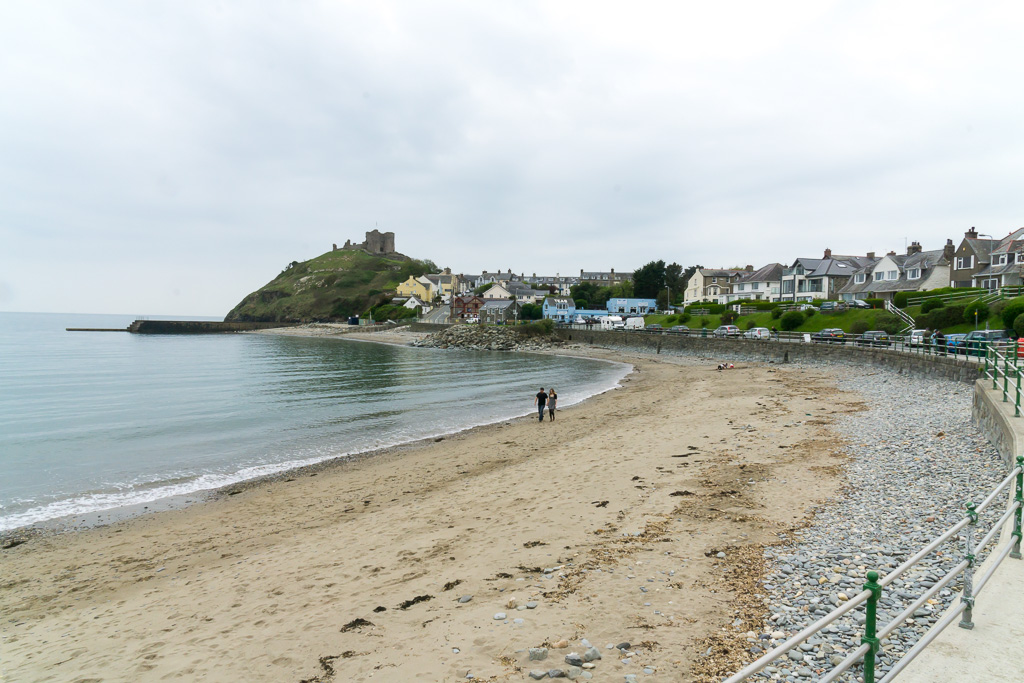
(874,303)
(931,305)
(940,318)
(791,320)
(976,307)
(1011,310)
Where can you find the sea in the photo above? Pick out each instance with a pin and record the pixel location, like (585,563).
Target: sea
(94,424)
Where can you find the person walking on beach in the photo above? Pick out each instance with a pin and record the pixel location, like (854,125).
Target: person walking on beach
(552,400)
(539,400)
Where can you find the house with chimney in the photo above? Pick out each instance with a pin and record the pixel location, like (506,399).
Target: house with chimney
(712,284)
(1006,262)
(820,278)
(759,285)
(971,257)
(915,271)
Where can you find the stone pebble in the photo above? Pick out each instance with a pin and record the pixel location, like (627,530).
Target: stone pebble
(915,460)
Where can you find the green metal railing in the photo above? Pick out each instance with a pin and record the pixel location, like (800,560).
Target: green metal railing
(1002,365)
(973,295)
(874,636)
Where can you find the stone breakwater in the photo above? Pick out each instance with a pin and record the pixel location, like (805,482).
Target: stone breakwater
(915,461)
(487,338)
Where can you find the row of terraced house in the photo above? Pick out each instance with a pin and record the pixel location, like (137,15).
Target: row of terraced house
(979,261)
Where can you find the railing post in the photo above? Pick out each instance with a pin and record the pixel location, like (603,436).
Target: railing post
(871,626)
(1006,375)
(1019,498)
(968,597)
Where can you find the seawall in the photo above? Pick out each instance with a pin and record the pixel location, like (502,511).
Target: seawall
(198,326)
(944,367)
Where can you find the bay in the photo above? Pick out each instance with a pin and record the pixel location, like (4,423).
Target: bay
(93,421)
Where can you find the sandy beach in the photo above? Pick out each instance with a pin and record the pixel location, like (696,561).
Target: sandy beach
(637,516)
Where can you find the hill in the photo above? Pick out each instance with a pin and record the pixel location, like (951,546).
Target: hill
(332,286)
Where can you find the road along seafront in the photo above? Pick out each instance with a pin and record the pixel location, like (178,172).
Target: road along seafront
(636,518)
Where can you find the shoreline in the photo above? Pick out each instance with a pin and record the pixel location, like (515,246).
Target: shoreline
(76,522)
(270,574)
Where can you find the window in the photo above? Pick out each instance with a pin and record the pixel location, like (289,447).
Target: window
(1020,257)
(859,278)
(714,279)
(756,285)
(893,274)
(879,275)
(913,273)
(741,287)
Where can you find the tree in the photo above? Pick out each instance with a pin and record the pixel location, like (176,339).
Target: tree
(674,281)
(648,280)
(531,312)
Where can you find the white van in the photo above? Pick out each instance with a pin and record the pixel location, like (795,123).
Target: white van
(634,323)
(611,322)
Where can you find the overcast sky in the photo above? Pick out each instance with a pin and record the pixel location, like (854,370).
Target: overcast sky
(171,157)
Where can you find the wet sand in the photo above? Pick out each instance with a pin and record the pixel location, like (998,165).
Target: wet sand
(354,572)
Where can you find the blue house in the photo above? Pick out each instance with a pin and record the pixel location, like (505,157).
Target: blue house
(632,306)
(559,308)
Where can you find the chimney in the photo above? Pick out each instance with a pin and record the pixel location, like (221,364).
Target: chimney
(891,253)
(871,255)
(914,248)
(828,253)
(948,251)
(749,269)
(971,234)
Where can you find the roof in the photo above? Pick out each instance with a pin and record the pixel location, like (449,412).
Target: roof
(770,273)
(498,304)
(555,299)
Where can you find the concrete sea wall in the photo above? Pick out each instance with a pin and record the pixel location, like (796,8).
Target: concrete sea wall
(197,326)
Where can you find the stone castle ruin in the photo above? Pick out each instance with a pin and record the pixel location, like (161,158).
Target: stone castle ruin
(377,243)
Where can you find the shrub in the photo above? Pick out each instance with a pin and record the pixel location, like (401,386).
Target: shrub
(703,322)
(900,299)
(995,309)
(538,328)
(930,305)
(791,320)
(1018,326)
(729,317)
(941,318)
(859,327)
(809,312)
(874,303)
(888,322)
(751,324)
(776,313)
(684,318)
(976,311)
(1013,308)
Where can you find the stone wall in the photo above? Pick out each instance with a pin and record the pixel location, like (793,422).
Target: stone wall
(996,420)
(198,326)
(429,327)
(944,367)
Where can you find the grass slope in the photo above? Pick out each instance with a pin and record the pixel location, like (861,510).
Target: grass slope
(332,286)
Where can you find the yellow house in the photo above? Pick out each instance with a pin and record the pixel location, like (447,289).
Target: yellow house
(414,287)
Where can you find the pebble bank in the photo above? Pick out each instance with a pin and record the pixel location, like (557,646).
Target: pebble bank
(915,461)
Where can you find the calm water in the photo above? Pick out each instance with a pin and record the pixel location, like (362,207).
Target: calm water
(95,421)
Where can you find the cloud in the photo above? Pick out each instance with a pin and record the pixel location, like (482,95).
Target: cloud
(146,142)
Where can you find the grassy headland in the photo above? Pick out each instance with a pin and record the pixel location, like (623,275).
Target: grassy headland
(332,286)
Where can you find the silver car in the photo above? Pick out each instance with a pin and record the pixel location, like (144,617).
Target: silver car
(757,333)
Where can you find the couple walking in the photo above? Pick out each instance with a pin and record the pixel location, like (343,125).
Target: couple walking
(550,399)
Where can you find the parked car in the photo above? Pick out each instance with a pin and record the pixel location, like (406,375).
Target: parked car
(727,331)
(859,303)
(757,333)
(633,324)
(830,335)
(918,338)
(874,338)
(977,341)
(955,342)
(679,329)
(806,307)
(827,306)
(654,326)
